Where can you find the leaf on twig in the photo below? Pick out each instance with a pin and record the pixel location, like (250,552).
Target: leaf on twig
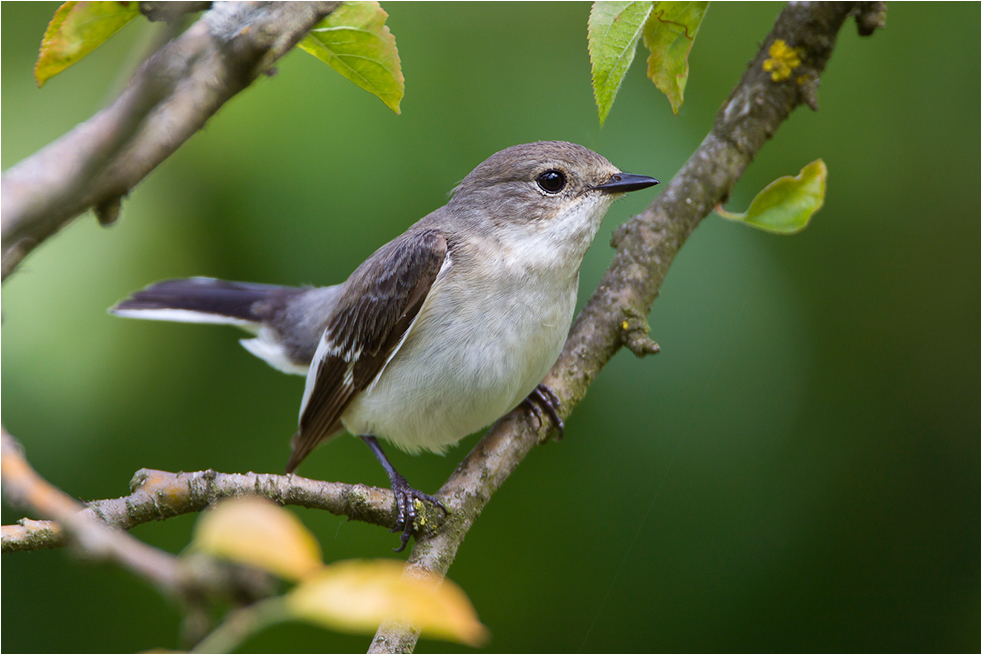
(76,29)
(786,204)
(613,31)
(356,596)
(259,533)
(669,34)
(354,41)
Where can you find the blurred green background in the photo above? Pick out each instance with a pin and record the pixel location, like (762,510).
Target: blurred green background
(798,470)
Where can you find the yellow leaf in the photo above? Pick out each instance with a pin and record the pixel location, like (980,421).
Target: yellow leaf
(76,29)
(668,34)
(356,596)
(259,533)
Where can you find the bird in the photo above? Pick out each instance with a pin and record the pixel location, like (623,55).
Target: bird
(442,330)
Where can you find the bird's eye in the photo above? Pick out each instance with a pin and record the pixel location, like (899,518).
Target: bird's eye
(551,181)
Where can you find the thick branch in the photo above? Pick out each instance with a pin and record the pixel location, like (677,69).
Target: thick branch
(158,495)
(646,246)
(168,99)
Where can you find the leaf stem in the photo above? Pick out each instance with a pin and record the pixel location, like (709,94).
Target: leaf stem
(241,624)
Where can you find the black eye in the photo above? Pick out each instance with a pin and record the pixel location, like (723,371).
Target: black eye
(551,181)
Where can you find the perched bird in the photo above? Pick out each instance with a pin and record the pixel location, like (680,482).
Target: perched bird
(441,331)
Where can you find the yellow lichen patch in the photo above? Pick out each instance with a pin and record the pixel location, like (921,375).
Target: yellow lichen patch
(782,61)
(421,512)
(625,325)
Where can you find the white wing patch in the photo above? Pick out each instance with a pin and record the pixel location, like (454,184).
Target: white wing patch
(324,350)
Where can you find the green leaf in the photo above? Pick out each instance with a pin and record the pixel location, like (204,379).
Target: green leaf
(76,29)
(612,38)
(668,34)
(355,42)
(356,596)
(786,204)
(257,532)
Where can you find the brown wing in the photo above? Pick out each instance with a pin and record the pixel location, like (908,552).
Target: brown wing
(378,304)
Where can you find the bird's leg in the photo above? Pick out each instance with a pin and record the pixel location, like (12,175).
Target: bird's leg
(541,398)
(406,496)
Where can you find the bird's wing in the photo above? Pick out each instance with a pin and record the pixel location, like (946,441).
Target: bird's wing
(377,308)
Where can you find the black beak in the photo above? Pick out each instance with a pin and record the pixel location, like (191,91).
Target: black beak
(621,182)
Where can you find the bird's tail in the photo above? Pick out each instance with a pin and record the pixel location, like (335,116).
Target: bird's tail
(202,300)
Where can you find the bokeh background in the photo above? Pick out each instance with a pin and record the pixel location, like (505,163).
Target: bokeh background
(798,470)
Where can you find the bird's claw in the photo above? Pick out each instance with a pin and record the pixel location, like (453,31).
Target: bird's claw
(406,515)
(543,398)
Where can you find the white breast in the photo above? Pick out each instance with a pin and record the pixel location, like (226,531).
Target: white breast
(475,352)
(492,326)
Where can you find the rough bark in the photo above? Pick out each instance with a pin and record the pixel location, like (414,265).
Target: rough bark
(615,315)
(168,99)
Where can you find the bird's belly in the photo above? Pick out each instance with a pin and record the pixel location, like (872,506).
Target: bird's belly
(464,364)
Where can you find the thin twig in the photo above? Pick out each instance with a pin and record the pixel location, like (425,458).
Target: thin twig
(191,579)
(24,488)
(158,495)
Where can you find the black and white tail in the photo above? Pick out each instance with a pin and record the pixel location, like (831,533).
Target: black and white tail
(287,321)
(201,300)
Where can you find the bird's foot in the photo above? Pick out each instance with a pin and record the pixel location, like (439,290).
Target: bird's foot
(543,398)
(406,512)
(406,496)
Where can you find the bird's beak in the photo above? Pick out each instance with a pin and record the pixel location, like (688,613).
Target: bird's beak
(621,182)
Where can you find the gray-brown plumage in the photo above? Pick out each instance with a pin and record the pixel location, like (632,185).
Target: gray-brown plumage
(442,330)
(380,301)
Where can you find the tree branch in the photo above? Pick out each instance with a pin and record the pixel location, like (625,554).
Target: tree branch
(184,578)
(159,495)
(168,99)
(204,75)
(646,246)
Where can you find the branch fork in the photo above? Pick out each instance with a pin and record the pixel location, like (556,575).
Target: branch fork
(614,315)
